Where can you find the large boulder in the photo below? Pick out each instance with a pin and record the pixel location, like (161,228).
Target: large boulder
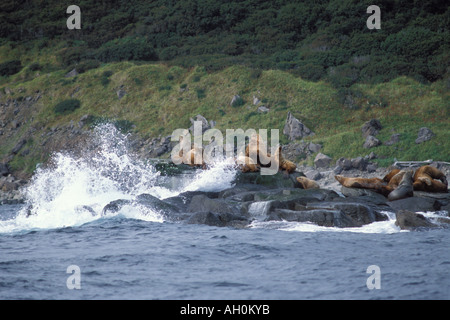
(223,219)
(322,161)
(424,134)
(371,142)
(295,129)
(408,220)
(371,128)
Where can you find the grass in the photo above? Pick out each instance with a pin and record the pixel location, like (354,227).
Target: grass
(155,104)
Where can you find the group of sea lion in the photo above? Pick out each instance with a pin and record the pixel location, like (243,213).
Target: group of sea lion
(399,184)
(246,162)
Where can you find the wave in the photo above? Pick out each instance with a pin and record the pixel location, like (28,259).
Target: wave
(73,190)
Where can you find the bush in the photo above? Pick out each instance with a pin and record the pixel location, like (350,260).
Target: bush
(9,68)
(35,66)
(312,72)
(105,77)
(67,106)
(87,65)
(200,93)
(126,49)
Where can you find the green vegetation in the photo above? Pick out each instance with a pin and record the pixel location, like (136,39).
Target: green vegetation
(177,59)
(9,68)
(67,106)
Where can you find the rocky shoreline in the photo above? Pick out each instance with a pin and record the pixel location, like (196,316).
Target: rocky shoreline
(280,198)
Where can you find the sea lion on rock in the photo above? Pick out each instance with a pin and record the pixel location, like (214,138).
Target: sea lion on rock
(307,183)
(431,179)
(246,164)
(284,164)
(376,184)
(405,187)
(258,147)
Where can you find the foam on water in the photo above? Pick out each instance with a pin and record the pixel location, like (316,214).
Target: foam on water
(385,227)
(74,190)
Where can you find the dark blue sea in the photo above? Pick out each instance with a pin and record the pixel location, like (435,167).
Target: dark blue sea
(57,245)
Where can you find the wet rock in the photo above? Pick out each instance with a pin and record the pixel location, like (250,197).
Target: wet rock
(223,219)
(408,220)
(115,206)
(416,204)
(201,203)
(295,129)
(424,134)
(321,217)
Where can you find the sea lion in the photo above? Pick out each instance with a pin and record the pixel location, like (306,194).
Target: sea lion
(189,157)
(391,174)
(307,183)
(430,179)
(375,184)
(284,164)
(258,147)
(246,164)
(404,188)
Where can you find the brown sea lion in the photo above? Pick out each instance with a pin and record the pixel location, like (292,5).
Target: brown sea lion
(375,184)
(246,164)
(430,179)
(283,163)
(258,147)
(307,183)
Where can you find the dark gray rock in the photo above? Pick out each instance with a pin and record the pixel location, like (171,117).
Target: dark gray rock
(371,142)
(18,146)
(371,128)
(205,124)
(201,203)
(4,169)
(321,217)
(408,220)
(71,73)
(322,161)
(295,129)
(215,219)
(395,138)
(115,206)
(416,204)
(344,163)
(424,134)
(359,163)
(263,109)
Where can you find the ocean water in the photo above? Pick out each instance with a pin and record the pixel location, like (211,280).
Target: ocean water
(136,254)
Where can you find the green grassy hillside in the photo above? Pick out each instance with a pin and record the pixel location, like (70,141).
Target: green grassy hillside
(160,98)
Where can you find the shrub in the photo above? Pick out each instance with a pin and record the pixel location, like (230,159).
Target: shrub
(87,65)
(126,49)
(35,66)
(105,77)
(9,68)
(200,93)
(67,106)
